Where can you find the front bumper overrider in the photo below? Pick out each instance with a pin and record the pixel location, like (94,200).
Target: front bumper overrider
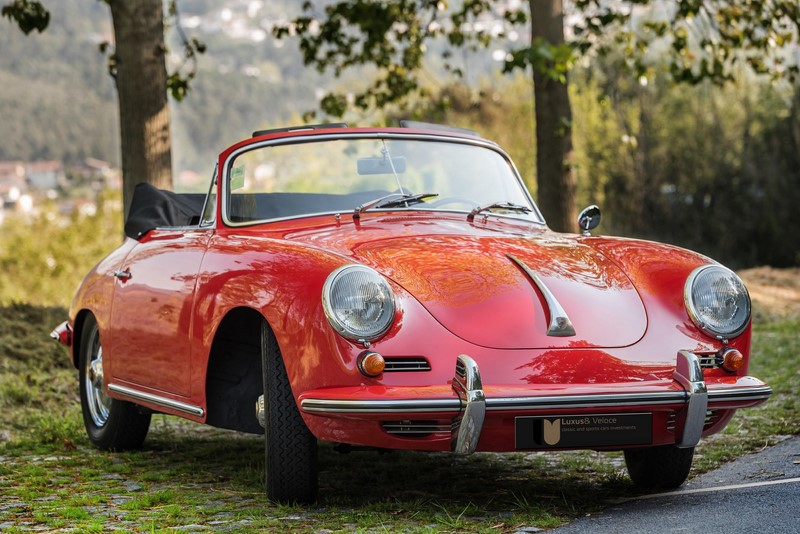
(467,402)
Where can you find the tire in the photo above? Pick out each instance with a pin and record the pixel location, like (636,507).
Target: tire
(662,467)
(290,448)
(111,424)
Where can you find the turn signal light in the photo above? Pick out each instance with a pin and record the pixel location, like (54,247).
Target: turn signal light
(370,363)
(732,359)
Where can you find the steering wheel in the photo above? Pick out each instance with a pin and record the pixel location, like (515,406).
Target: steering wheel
(453,200)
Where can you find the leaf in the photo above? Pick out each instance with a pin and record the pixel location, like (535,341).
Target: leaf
(28,14)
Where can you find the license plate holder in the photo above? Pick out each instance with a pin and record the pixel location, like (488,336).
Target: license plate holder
(583,431)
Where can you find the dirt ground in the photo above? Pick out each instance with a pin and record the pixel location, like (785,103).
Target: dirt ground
(774,292)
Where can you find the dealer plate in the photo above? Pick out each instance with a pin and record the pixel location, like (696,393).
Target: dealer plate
(575,431)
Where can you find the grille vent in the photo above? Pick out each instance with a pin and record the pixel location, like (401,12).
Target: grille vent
(406,363)
(708,361)
(414,429)
(712,416)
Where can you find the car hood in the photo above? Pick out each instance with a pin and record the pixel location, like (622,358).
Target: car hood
(478,283)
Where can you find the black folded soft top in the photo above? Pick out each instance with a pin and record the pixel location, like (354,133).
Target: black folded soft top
(156,208)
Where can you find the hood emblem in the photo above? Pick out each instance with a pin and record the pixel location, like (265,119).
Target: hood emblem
(560,325)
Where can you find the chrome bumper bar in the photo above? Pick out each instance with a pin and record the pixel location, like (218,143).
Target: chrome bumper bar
(469,409)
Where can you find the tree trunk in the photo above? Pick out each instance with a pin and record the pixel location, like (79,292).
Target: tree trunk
(141,78)
(554,177)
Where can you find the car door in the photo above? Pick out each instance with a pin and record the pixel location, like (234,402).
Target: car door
(149,344)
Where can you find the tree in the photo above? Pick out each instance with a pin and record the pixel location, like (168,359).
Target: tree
(141,76)
(704,40)
(555,180)
(139,69)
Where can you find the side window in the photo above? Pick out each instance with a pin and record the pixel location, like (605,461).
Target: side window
(210,207)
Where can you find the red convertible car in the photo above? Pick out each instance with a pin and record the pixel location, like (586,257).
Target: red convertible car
(398,288)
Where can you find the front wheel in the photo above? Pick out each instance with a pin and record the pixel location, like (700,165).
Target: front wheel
(110,423)
(290,449)
(662,467)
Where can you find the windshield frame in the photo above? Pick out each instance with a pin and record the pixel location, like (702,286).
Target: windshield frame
(318,138)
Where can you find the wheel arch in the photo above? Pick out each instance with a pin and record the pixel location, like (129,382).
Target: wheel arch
(233,379)
(77,334)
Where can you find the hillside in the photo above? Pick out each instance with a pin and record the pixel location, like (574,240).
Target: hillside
(57,100)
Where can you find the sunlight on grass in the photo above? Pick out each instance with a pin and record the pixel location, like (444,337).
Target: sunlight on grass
(191,474)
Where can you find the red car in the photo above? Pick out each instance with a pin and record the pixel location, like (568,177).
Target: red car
(398,288)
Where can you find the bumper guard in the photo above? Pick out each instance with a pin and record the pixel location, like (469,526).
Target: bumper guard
(469,403)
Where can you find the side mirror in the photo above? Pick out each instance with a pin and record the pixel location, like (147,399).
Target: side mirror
(589,218)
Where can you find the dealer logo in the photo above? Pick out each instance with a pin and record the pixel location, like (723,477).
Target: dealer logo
(552,431)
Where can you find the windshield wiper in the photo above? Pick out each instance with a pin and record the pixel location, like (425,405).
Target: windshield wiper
(406,199)
(500,206)
(392,201)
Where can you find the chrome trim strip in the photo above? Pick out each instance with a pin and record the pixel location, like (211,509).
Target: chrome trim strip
(560,325)
(466,430)
(548,402)
(157,399)
(689,374)
(740,394)
(380,406)
(585,401)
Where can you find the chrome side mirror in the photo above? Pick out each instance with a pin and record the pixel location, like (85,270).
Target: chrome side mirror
(589,218)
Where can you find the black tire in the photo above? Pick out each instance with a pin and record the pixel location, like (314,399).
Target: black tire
(290,448)
(662,467)
(111,424)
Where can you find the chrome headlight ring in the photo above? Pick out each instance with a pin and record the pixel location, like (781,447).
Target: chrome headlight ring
(717,301)
(358,302)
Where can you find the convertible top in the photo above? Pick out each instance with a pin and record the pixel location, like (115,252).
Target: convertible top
(155,208)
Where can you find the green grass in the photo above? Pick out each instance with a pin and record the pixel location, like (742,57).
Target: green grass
(187,474)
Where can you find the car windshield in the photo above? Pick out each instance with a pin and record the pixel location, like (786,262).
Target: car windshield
(359,175)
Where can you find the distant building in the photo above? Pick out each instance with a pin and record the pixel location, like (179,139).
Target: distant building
(45,175)
(101,174)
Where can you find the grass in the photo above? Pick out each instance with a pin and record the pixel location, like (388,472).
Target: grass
(52,478)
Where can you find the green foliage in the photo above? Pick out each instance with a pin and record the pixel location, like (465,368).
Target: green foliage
(43,259)
(394,38)
(707,40)
(698,40)
(179,79)
(714,169)
(28,14)
(553,60)
(708,168)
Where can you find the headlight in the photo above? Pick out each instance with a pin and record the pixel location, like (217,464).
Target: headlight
(358,302)
(717,301)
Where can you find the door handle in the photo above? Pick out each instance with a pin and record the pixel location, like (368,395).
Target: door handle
(123,275)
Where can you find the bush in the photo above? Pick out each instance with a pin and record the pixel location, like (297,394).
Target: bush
(44,258)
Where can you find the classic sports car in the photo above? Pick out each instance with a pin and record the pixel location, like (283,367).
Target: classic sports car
(398,288)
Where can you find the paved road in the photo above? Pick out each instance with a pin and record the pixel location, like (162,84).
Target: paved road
(758,493)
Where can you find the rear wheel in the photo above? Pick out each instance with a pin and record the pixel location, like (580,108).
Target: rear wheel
(290,448)
(662,467)
(110,423)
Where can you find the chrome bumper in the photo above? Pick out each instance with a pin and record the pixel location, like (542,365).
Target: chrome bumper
(471,404)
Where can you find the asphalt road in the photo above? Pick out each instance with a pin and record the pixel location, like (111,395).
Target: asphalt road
(758,493)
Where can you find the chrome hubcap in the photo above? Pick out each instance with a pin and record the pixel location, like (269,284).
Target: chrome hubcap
(98,402)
